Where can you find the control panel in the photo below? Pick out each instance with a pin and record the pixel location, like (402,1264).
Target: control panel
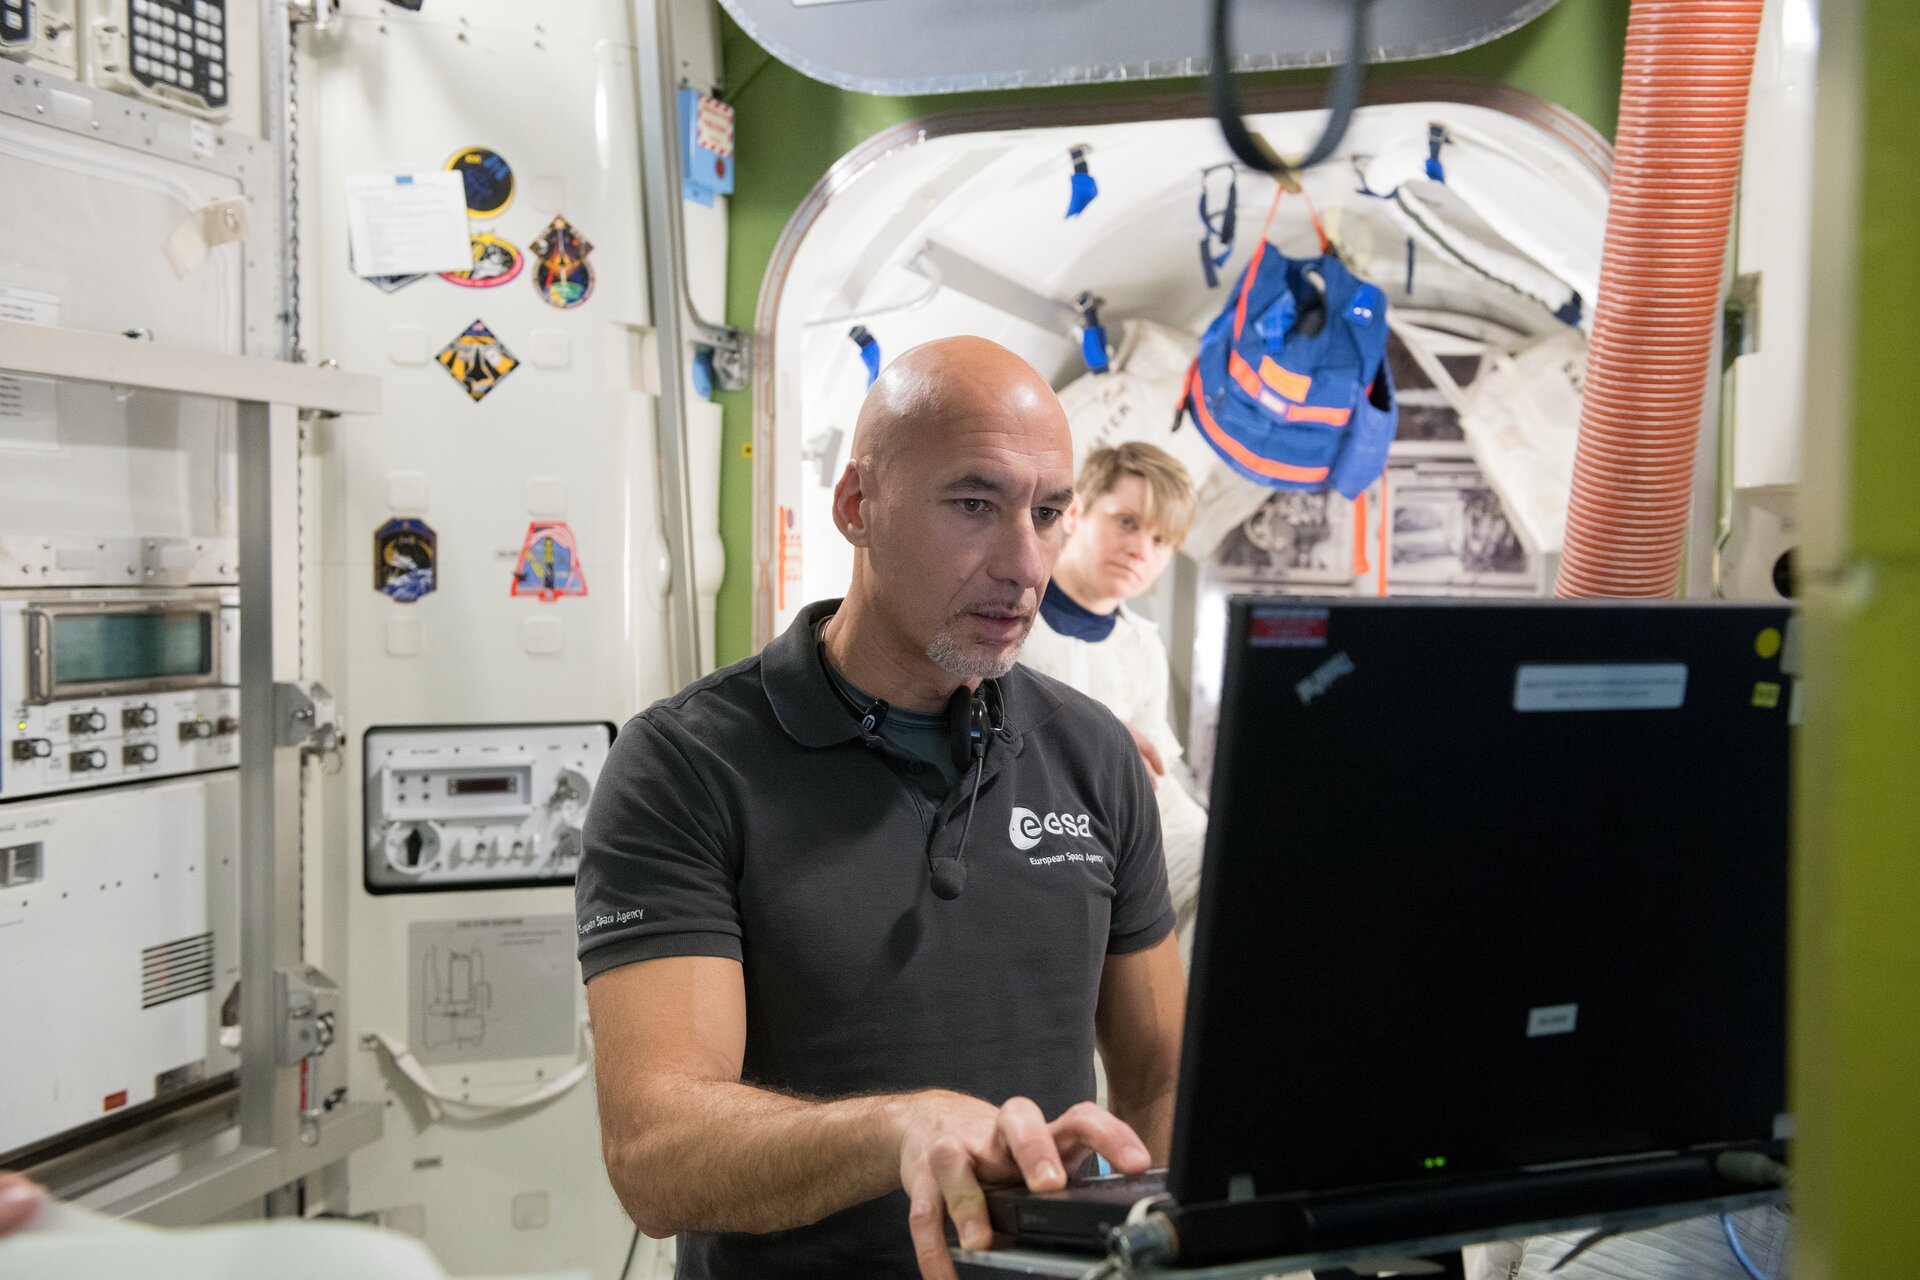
(171,51)
(119,926)
(478,806)
(40,33)
(109,687)
(16,26)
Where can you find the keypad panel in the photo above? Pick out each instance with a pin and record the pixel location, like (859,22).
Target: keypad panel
(16,22)
(179,44)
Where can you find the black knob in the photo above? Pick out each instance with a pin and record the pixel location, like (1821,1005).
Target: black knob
(87,722)
(144,716)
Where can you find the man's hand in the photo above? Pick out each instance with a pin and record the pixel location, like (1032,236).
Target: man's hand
(952,1144)
(1149,753)
(19,1201)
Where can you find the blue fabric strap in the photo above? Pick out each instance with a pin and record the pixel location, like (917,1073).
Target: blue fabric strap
(869,350)
(1081,188)
(1436,138)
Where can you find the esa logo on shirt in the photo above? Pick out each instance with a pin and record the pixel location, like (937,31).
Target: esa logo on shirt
(1025,827)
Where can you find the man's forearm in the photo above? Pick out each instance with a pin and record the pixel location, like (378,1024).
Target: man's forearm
(722,1156)
(1152,1118)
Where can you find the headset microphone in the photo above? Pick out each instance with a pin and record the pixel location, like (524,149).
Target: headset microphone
(949,875)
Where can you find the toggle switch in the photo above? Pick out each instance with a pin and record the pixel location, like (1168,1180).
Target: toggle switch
(87,722)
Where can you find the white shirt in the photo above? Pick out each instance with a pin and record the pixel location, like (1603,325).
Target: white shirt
(1127,673)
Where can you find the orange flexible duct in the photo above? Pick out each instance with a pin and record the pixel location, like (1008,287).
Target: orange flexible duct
(1683,109)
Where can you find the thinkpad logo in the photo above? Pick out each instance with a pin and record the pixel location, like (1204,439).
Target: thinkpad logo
(1026,827)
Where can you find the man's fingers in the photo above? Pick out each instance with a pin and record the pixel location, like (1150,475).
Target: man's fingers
(966,1203)
(927,1224)
(19,1201)
(1089,1126)
(1023,1126)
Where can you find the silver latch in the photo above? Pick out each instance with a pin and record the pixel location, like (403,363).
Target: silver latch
(308,1001)
(303,716)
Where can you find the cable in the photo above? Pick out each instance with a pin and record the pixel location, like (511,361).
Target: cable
(1739,1254)
(632,1247)
(1341,101)
(441,1104)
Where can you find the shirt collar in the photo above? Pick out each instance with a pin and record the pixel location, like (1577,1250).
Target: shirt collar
(813,715)
(1072,619)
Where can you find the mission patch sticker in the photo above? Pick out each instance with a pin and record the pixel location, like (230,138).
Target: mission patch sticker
(404,552)
(561,273)
(477,360)
(549,565)
(489,180)
(495,261)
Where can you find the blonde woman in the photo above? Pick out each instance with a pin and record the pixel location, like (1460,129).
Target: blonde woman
(1133,504)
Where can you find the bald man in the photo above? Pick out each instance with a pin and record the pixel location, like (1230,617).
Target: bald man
(854,913)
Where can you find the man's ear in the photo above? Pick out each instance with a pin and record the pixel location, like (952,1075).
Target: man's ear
(850,498)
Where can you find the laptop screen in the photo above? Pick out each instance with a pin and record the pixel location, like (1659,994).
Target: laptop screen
(1487,886)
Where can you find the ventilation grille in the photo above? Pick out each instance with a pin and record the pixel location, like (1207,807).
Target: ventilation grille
(176,970)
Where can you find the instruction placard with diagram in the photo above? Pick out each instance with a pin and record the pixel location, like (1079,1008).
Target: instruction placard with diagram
(485,990)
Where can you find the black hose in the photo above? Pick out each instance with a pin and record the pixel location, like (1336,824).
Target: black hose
(1341,101)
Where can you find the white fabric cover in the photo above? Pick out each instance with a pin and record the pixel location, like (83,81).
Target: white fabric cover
(1127,673)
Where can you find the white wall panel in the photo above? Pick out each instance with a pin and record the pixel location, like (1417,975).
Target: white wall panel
(561,437)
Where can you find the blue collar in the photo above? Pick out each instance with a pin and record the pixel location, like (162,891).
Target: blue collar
(1071,618)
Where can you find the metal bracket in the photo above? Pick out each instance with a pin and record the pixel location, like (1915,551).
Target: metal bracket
(732,354)
(303,716)
(308,1000)
(323,14)
(1741,318)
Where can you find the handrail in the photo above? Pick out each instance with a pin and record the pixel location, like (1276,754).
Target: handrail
(49,351)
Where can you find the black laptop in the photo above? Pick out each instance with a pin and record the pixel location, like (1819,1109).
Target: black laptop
(1492,927)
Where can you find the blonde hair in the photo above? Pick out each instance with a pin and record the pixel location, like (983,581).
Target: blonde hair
(1170,497)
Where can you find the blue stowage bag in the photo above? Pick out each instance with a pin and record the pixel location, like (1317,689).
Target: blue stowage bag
(1291,387)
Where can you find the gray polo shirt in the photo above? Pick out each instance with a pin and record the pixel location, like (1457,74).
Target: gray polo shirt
(745,817)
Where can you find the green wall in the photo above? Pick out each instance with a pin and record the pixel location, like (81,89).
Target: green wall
(1856,1013)
(791,129)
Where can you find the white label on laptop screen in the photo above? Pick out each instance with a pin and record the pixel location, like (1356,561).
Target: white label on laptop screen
(1552,1019)
(1612,686)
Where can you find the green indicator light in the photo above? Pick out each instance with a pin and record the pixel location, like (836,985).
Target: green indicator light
(1435,1162)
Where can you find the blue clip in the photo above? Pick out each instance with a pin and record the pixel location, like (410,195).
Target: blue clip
(1367,303)
(1083,188)
(1570,310)
(1436,138)
(703,376)
(1093,334)
(869,350)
